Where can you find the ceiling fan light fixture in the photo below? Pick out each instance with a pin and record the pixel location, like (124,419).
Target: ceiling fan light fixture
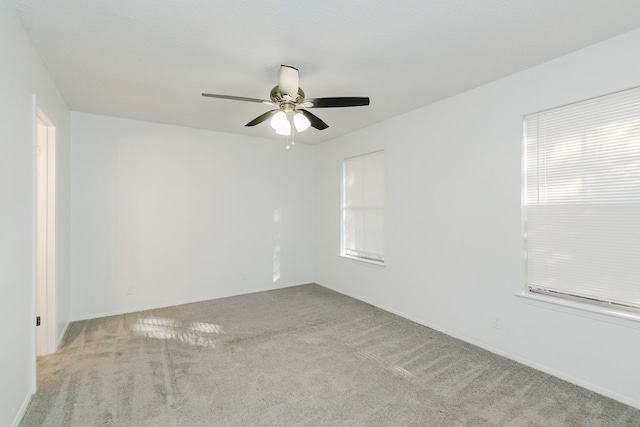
(290,115)
(301,122)
(280,123)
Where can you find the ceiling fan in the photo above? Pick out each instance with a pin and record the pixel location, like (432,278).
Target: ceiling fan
(291,103)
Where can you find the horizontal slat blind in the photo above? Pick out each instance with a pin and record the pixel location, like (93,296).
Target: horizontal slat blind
(582,199)
(363,207)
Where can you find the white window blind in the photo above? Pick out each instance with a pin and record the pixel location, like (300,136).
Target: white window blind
(582,200)
(363,207)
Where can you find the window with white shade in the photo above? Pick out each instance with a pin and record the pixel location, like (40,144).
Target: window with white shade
(363,207)
(581,201)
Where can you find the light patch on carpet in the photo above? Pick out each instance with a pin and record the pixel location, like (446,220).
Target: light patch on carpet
(193,333)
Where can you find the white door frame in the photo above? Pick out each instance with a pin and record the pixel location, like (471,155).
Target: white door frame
(45,232)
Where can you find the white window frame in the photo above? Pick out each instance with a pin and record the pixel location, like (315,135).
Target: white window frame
(592,308)
(373,258)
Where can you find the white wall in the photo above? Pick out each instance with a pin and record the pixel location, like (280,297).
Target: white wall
(183,215)
(22,74)
(453,224)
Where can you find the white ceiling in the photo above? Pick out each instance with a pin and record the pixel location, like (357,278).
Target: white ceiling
(151,59)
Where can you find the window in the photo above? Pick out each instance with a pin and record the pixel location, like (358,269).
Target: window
(581,201)
(363,207)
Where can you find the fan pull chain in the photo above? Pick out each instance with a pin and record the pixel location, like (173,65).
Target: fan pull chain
(290,142)
(291,137)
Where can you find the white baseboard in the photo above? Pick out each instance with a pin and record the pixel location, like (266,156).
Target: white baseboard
(135,309)
(23,409)
(589,386)
(61,336)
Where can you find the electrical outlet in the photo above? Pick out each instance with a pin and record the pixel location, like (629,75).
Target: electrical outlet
(497,322)
(128,290)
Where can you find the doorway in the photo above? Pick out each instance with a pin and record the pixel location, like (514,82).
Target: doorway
(45,231)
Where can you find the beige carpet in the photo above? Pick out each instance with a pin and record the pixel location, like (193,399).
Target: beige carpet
(299,356)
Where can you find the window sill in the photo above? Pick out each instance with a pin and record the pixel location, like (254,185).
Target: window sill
(604,314)
(371,262)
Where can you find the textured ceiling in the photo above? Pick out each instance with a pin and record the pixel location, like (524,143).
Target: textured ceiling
(151,59)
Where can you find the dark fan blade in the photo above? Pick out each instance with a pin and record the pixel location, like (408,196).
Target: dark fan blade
(316,122)
(238,98)
(261,118)
(338,102)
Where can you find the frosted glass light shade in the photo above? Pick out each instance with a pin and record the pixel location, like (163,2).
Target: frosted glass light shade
(280,123)
(301,122)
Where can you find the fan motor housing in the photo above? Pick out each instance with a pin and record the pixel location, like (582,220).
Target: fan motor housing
(279,97)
